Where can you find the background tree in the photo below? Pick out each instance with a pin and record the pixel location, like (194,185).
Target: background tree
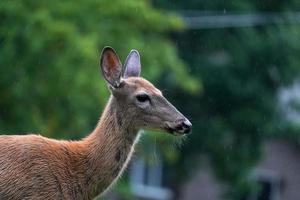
(49,75)
(50,81)
(242,70)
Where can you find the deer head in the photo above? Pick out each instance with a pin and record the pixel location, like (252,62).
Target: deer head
(143,105)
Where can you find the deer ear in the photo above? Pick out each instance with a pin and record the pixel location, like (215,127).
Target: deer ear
(132,64)
(111,66)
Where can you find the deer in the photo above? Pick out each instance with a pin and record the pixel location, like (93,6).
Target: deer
(36,167)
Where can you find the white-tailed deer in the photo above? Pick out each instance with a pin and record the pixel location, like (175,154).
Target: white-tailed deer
(35,167)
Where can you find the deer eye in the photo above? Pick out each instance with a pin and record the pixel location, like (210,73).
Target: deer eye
(143,97)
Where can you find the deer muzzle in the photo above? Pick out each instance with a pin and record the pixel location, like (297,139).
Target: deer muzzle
(182,126)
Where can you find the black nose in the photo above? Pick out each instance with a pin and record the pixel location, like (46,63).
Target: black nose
(187,126)
(183,126)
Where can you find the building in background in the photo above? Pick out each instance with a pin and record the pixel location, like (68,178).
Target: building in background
(146,180)
(277,173)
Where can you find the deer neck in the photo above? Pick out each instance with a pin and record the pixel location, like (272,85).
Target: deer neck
(110,146)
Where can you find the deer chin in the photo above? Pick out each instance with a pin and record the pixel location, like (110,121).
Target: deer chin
(166,129)
(173,131)
(176,128)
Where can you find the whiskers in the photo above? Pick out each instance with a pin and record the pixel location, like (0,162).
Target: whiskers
(179,141)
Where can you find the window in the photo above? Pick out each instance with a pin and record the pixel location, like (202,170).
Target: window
(270,185)
(146,180)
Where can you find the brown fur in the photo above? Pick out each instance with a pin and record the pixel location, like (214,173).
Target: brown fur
(35,167)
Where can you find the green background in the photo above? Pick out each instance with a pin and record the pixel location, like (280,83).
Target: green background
(225,80)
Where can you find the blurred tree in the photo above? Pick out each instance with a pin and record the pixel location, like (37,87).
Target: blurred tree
(49,76)
(242,70)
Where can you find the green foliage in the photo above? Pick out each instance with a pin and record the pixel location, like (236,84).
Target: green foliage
(49,76)
(242,70)
(234,5)
(50,80)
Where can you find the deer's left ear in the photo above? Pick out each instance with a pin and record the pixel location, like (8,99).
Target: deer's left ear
(132,65)
(111,66)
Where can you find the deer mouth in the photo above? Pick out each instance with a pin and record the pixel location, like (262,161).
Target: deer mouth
(179,127)
(169,130)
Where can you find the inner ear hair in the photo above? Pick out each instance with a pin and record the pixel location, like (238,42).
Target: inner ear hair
(111,66)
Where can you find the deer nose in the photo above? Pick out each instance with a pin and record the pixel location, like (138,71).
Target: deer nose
(187,126)
(184,126)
